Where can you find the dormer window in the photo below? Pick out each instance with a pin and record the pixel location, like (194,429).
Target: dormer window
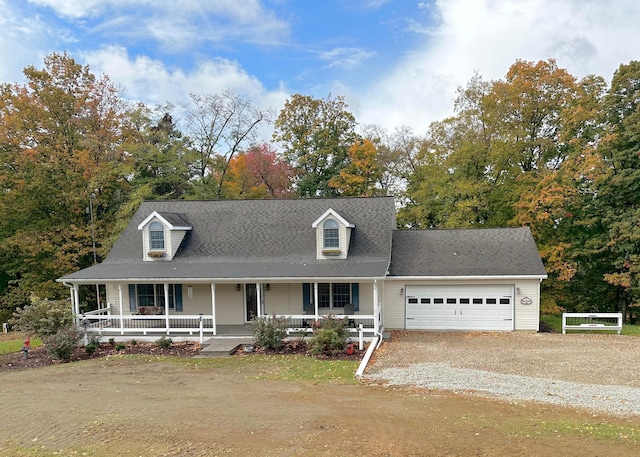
(156,236)
(331,234)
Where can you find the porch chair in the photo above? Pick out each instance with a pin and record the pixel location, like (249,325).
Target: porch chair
(350,309)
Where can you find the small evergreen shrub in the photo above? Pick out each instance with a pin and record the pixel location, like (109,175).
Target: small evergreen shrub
(133,342)
(92,345)
(269,333)
(164,342)
(120,347)
(60,345)
(112,341)
(329,336)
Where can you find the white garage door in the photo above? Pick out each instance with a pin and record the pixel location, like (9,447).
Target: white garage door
(460,307)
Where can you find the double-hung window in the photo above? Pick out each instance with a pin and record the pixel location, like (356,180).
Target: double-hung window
(156,236)
(331,234)
(334,295)
(153,295)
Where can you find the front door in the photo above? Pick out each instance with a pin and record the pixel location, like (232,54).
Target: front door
(251,300)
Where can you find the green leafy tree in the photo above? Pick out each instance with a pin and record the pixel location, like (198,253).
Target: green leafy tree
(316,135)
(60,137)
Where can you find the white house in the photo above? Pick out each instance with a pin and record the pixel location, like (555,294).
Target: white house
(187,268)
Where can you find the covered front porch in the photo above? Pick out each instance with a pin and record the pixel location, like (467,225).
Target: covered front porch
(197,310)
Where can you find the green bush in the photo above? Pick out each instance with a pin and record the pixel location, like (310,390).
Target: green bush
(269,333)
(92,345)
(329,336)
(60,345)
(120,347)
(164,342)
(43,317)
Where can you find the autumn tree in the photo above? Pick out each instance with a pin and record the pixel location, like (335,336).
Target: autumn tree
(60,140)
(218,127)
(258,173)
(361,175)
(315,135)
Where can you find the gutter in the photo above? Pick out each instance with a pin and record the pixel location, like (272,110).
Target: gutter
(365,360)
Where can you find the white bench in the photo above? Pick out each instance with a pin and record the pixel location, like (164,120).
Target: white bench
(592,321)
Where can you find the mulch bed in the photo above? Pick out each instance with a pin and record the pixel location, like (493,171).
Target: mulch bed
(301,347)
(39,357)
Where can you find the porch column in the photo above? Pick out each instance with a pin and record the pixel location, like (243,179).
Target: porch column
(213,308)
(76,296)
(166,306)
(315,299)
(376,307)
(259,298)
(121,313)
(72,298)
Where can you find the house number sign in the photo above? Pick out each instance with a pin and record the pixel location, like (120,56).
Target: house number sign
(526,301)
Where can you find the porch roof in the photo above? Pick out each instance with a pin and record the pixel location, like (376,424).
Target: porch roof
(230,269)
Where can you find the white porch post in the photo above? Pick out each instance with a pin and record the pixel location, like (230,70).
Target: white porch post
(259,298)
(376,307)
(315,299)
(213,307)
(121,312)
(76,296)
(73,301)
(166,306)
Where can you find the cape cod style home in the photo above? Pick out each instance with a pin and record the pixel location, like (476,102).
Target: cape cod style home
(194,268)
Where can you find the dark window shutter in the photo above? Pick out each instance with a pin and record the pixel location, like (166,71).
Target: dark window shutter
(306,298)
(178,297)
(355,295)
(133,301)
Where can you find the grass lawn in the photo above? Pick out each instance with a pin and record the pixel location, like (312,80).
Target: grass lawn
(555,321)
(9,346)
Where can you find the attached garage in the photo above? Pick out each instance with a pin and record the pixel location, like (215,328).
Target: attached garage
(460,307)
(466,279)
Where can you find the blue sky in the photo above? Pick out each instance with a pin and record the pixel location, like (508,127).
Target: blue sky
(397,62)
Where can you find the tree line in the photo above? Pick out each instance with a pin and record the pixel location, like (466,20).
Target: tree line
(538,147)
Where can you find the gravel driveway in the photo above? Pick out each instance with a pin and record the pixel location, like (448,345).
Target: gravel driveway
(597,372)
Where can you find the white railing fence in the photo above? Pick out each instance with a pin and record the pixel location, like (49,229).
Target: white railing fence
(592,321)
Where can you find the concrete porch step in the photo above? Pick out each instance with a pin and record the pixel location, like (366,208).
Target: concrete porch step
(223,347)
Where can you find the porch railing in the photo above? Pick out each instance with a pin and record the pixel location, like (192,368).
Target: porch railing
(102,324)
(303,323)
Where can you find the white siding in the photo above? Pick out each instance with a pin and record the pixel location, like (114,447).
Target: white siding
(229,305)
(526,316)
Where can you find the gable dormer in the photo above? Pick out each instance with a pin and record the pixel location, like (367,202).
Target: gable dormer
(333,235)
(162,234)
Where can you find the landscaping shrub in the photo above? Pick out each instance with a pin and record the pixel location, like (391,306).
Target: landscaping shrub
(120,347)
(60,345)
(329,336)
(92,345)
(164,342)
(269,333)
(43,317)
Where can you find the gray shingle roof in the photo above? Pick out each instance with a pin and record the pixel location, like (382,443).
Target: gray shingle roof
(466,252)
(254,239)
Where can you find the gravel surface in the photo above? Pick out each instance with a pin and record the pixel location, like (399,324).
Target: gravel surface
(596,372)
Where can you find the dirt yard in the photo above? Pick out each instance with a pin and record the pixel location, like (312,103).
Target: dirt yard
(119,406)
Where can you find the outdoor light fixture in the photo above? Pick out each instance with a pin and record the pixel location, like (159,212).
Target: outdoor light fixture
(518,290)
(237,287)
(402,291)
(267,287)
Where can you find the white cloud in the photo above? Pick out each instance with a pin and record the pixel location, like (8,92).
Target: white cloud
(175,24)
(152,82)
(584,36)
(345,58)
